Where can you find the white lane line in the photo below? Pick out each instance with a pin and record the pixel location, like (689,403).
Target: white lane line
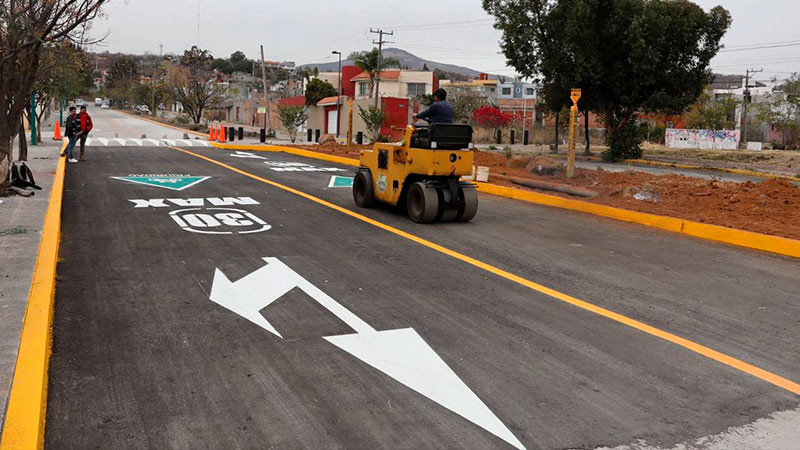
(137,141)
(103,141)
(185,142)
(121,141)
(169,142)
(154,142)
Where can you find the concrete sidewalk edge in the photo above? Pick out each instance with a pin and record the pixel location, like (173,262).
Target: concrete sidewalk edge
(27,403)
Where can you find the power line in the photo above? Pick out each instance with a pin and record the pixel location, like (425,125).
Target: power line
(455,50)
(456,24)
(761,47)
(762,43)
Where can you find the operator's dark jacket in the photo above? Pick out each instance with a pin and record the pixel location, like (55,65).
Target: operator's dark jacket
(439,112)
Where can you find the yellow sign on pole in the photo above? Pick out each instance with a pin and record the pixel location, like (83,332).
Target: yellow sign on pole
(575,95)
(349,123)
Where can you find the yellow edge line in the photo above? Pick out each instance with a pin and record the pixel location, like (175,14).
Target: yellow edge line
(733,236)
(27,404)
(633,323)
(197,133)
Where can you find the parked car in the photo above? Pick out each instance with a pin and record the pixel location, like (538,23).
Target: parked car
(98,101)
(104,105)
(79,102)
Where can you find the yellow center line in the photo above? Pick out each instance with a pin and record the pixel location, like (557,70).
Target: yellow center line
(738,364)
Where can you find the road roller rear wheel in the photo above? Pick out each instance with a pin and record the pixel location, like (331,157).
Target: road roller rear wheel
(470,206)
(422,203)
(363,189)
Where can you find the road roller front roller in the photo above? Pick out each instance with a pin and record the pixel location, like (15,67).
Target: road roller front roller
(421,174)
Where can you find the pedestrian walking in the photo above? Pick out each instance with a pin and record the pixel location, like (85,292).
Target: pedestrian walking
(71,130)
(85,121)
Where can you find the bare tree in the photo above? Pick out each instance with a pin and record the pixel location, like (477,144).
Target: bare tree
(192,83)
(25,27)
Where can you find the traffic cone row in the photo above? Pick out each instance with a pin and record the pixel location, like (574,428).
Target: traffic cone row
(216,133)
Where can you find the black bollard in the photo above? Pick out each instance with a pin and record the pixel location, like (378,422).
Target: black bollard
(241,133)
(499,136)
(263,136)
(231,134)
(316,135)
(359,138)
(309,133)
(525,137)
(511,136)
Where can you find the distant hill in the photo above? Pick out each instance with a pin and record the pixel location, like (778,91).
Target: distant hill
(407,60)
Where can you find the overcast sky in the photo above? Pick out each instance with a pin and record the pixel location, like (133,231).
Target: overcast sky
(305,31)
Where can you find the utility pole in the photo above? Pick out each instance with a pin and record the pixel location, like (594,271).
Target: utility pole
(267,118)
(746,100)
(155,73)
(380,43)
(339,91)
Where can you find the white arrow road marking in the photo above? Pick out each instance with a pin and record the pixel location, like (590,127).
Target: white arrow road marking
(239,154)
(169,142)
(89,141)
(401,354)
(103,141)
(202,143)
(406,357)
(185,142)
(121,141)
(153,141)
(137,142)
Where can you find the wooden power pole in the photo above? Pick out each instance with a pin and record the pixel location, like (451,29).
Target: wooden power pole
(267,115)
(380,43)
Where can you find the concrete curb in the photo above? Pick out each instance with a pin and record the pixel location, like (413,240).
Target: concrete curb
(647,162)
(27,402)
(741,238)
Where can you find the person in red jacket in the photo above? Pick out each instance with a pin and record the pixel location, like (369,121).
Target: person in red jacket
(85,120)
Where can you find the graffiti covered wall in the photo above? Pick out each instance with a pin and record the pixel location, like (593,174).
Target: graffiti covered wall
(703,139)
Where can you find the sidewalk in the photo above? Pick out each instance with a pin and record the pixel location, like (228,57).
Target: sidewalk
(21,220)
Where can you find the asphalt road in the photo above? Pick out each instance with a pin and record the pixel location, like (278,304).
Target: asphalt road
(159,343)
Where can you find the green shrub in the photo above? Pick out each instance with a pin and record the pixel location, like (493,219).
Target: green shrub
(507,152)
(624,144)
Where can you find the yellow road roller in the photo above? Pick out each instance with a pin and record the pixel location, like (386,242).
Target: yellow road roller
(422,174)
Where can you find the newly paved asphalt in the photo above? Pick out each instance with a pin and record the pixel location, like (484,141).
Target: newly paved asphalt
(143,358)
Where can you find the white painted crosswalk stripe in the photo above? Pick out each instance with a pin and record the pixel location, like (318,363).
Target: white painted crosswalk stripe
(145,142)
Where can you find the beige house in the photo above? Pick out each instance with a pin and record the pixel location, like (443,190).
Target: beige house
(397,83)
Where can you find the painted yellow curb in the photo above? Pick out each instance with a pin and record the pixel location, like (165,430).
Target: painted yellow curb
(757,241)
(27,402)
(750,173)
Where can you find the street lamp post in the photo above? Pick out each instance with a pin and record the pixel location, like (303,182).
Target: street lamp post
(338,91)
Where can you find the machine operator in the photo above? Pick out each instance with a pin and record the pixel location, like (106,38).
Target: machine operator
(440,111)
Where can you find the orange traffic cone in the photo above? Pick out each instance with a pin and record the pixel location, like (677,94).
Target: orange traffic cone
(210,132)
(57,132)
(222,131)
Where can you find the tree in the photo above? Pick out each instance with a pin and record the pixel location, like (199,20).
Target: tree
(368,62)
(491,118)
(628,56)
(709,114)
(192,84)
(122,75)
(26,27)
(374,119)
(317,89)
(783,111)
(151,94)
(61,74)
(292,118)
(464,101)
